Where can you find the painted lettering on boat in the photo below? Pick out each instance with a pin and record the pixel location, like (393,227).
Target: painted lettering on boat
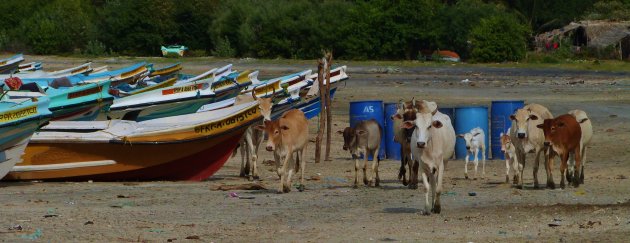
(14,115)
(86,92)
(231,121)
(221,84)
(182,89)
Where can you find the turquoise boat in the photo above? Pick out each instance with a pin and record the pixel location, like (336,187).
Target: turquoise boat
(76,103)
(19,119)
(129,74)
(173,50)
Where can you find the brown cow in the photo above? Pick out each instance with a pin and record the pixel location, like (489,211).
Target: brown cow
(287,135)
(364,138)
(563,134)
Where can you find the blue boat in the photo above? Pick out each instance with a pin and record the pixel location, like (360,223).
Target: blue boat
(19,119)
(129,74)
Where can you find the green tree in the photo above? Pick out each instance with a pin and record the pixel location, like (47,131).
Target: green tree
(499,38)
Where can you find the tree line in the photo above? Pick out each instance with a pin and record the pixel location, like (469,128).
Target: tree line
(353,29)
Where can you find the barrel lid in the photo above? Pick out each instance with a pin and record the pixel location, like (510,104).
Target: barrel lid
(507,101)
(365,101)
(473,106)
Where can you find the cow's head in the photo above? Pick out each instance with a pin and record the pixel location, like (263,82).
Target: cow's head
(265,105)
(549,127)
(351,137)
(422,124)
(506,142)
(523,117)
(468,137)
(274,131)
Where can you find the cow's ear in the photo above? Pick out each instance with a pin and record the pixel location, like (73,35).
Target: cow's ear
(501,135)
(476,134)
(460,135)
(284,127)
(407,125)
(437,124)
(533,117)
(260,127)
(397,116)
(583,120)
(539,126)
(513,117)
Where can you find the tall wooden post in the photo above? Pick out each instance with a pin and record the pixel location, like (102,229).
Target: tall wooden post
(321,64)
(329,58)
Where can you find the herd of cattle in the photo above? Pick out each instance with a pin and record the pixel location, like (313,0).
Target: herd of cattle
(427,139)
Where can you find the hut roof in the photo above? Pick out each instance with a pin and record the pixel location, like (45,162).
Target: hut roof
(600,33)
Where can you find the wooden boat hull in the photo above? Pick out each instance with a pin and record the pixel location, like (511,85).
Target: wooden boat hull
(11,64)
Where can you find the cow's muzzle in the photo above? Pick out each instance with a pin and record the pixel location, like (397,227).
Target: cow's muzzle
(345,148)
(521,135)
(421,144)
(467,147)
(547,144)
(269,148)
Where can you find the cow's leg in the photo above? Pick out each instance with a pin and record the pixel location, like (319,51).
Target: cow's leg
(402,172)
(356,171)
(365,167)
(375,163)
(507,169)
(437,208)
(583,162)
(563,167)
(549,169)
(425,181)
(277,162)
(244,165)
(536,164)
(571,164)
(250,147)
(521,169)
(515,169)
(257,139)
(576,170)
(302,167)
(414,171)
(483,161)
(466,165)
(476,161)
(285,164)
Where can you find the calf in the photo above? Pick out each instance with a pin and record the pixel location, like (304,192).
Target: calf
(433,143)
(530,138)
(587,134)
(400,136)
(287,135)
(252,138)
(475,141)
(364,138)
(563,134)
(509,150)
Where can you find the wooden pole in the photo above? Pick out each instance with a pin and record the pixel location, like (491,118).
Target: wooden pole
(329,58)
(321,64)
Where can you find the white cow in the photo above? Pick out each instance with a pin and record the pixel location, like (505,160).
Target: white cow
(432,144)
(252,138)
(475,141)
(509,150)
(587,134)
(530,138)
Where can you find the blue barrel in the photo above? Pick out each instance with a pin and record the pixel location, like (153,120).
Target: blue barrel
(392,148)
(500,122)
(366,110)
(450,112)
(469,117)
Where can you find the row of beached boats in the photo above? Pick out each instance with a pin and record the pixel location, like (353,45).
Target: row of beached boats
(137,122)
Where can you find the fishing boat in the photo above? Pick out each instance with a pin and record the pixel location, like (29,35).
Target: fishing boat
(29,67)
(19,118)
(167,71)
(100,69)
(11,64)
(216,73)
(179,99)
(173,50)
(129,75)
(75,103)
(187,147)
(125,90)
(39,74)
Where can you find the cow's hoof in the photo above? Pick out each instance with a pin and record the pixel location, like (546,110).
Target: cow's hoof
(536,185)
(256,177)
(551,185)
(466,176)
(250,178)
(355,186)
(426,212)
(474,179)
(242,174)
(562,185)
(519,187)
(436,209)
(377,183)
(413,186)
(576,183)
(286,189)
(507,179)
(405,182)
(366,182)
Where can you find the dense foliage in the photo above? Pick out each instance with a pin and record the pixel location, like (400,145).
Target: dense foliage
(490,30)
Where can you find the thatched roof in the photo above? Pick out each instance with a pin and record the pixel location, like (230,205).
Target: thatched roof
(599,33)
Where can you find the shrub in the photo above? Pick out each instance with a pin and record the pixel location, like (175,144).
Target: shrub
(499,38)
(223,48)
(95,48)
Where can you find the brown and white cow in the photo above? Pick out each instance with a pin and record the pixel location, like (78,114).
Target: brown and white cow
(287,135)
(587,133)
(511,159)
(433,143)
(563,134)
(401,136)
(364,138)
(252,138)
(530,138)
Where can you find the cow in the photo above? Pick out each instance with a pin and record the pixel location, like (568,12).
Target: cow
(400,136)
(432,144)
(252,138)
(563,135)
(530,138)
(287,135)
(475,141)
(587,134)
(509,151)
(364,138)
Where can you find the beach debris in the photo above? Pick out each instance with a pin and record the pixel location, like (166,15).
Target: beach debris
(621,177)
(123,196)
(16,227)
(449,193)
(233,194)
(300,187)
(123,205)
(248,186)
(580,192)
(88,222)
(465,81)
(193,237)
(51,213)
(555,223)
(590,224)
(171,239)
(472,194)
(613,116)
(159,231)
(33,236)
